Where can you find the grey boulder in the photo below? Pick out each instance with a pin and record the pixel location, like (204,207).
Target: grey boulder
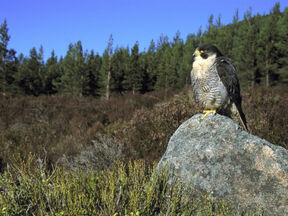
(216,156)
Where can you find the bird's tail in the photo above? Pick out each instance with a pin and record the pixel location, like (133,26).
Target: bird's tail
(242,119)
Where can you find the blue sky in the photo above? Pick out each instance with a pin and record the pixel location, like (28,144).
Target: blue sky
(56,24)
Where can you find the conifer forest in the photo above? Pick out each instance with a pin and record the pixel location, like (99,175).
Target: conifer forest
(257,44)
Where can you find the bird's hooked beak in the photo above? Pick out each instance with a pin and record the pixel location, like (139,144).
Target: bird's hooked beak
(196,53)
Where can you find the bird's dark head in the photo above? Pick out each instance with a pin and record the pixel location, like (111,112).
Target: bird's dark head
(207,50)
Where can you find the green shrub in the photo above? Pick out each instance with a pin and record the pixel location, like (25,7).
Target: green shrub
(29,188)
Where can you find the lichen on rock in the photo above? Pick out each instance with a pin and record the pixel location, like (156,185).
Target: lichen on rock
(216,156)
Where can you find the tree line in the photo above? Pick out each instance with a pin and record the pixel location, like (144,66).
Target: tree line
(257,44)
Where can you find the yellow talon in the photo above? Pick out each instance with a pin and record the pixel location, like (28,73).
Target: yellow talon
(207,112)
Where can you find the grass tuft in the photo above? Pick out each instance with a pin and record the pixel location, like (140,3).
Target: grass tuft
(136,188)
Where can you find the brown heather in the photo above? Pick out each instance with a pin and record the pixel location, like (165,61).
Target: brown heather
(37,131)
(55,125)
(50,126)
(266,112)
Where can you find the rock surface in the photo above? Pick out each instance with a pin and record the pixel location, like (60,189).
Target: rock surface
(216,156)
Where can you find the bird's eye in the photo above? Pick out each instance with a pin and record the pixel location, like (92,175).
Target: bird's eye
(204,55)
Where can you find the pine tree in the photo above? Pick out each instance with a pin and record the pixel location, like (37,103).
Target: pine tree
(149,66)
(224,37)
(31,73)
(74,75)
(282,44)
(106,68)
(119,69)
(134,78)
(210,34)
(192,41)
(52,73)
(244,50)
(162,59)
(178,76)
(8,62)
(3,55)
(93,68)
(267,50)
(199,36)
(165,70)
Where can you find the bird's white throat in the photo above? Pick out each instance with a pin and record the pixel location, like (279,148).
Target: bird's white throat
(201,65)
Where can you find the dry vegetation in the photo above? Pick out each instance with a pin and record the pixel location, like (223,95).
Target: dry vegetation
(37,131)
(265,109)
(51,126)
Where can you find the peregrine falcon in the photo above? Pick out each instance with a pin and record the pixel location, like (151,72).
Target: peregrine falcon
(216,85)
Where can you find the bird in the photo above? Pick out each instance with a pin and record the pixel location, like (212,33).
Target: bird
(216,84)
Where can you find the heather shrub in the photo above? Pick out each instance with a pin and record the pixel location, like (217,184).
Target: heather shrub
(63,108)
(147,134)
(265,110)
(98,156)
(122,107)
(52,126)
(136,188)
(40,139)
(58,125)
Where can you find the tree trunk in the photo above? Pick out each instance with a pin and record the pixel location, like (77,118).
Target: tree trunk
(4,87)
(108,85)
(267,79)
(267,63)
(4,77)
(133,89)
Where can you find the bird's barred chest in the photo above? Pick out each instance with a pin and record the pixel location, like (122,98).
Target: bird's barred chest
(209,89)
